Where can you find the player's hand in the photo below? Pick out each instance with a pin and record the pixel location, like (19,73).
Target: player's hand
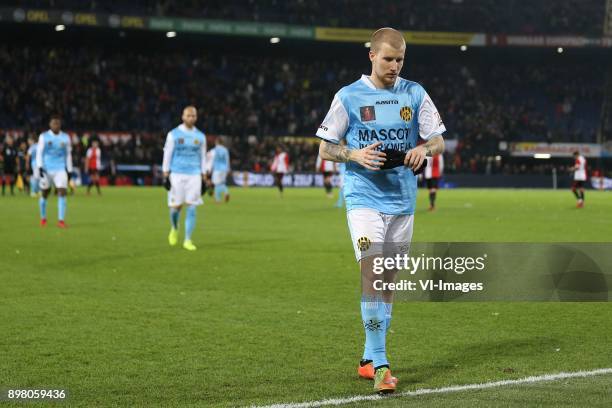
(369,157)
(69,174)
(415,158)
(204,185)
(41,172)
(167,184)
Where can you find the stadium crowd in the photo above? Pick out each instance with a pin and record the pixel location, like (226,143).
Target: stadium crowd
(482,103)
(511,16)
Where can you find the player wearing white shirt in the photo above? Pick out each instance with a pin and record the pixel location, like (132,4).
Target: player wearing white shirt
(53,164)
(328,168)
(580,176)
(184,168)
(280,166)
(380,111)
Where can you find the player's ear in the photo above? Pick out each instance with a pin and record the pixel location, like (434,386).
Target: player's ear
(372,55)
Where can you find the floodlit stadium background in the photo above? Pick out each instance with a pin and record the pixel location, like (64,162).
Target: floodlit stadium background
(266,311)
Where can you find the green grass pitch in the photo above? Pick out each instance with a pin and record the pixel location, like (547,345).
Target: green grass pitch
(267,310)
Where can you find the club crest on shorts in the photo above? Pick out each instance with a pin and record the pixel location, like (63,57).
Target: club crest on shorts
(364,243)
(406,113)
(368,113)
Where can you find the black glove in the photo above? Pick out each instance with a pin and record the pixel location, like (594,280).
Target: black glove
(395,158)
(204,186)
(167,184)
(421,167)
(41,172)
(69,174)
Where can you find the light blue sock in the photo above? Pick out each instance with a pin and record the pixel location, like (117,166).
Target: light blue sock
(34,188)
(175,213)
(224,189)
(217,192)
(340,202)
(373,316)
(190,221)
(388,312)
(61,208)
(42,204)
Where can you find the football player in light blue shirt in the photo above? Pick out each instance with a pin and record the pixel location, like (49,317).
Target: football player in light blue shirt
(184,168)
(380,112)
(220,168)
(53,164)
(33,170)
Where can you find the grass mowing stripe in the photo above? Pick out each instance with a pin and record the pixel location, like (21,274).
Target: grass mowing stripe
(443,390)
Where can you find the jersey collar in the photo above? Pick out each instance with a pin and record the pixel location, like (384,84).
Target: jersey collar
(366,79)
(184,128)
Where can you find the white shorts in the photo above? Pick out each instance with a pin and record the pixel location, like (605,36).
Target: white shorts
(58,178)
(219,177)
(185,189)
(375,233)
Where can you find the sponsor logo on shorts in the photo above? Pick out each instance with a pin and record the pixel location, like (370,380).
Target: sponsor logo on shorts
(368,113)
(406,113)
(325,128)
(364,243)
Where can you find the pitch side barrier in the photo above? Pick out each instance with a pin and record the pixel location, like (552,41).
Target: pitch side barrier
(241,178)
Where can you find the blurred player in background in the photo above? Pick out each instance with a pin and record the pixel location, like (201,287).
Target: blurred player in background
(93,165)
(341,171)
(209,161)
(33,178)
(327,168)
(220,169)
(380,197)
(580,176)
(433,173)
(280,166)
(22,168)
(9,153)
(184,168)
(53,164)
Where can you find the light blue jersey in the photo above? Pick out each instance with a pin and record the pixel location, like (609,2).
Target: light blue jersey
(362,115)
(32,154)
(185,151)
(54,152)
(221,160)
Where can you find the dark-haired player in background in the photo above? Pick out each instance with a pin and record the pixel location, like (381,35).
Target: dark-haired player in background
(327,168)
(53,163)
(433,173)
(93,165)
(580,176)
(280,166)
(9,152)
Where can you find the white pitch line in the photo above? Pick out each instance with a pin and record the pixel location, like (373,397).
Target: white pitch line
(443,390)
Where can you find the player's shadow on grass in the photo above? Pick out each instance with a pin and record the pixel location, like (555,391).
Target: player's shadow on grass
(493,353)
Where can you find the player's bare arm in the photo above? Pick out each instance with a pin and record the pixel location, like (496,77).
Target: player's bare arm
(415,157)
(368,157)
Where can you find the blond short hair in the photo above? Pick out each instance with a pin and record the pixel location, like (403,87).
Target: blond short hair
(387,35)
